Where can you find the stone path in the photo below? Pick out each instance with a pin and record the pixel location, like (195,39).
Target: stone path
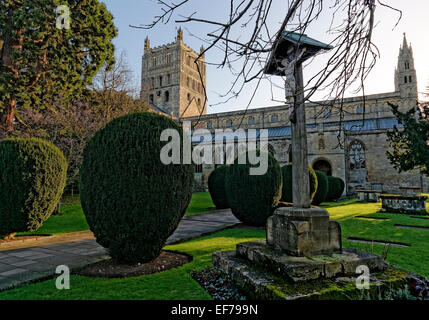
(76,250)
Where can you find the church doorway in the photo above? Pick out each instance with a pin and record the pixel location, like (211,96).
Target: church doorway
(324,166)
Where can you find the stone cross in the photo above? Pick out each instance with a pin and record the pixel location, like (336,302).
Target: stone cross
(294,90)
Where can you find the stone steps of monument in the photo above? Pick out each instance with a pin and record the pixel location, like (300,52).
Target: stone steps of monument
(261,284)
(308,268)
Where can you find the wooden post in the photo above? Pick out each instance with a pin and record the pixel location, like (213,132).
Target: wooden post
(300,176)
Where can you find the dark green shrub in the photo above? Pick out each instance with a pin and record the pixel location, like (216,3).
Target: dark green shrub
(253,198)
(322,188)
(287,183)
(216,184)
(32,179)
(132,201)
(335,188)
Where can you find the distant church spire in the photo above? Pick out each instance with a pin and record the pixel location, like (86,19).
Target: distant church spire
(147,44)
(405,43)
(180,35)
(405,73)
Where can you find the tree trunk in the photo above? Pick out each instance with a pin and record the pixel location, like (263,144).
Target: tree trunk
(8,115)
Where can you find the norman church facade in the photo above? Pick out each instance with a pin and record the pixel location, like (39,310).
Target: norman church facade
(172,84)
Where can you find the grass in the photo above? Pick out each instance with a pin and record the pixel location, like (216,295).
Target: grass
(175,284)
(178,284)
(201,202)
(72,218)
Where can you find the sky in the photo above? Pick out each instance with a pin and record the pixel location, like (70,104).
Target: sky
(387,37)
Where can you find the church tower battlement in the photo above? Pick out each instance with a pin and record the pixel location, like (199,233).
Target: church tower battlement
(170,79)
(405,72)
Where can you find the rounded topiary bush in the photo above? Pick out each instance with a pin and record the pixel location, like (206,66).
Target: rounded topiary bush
(216,184)
(322,188)
(132,201)
(287,183)
(253,198)
(335,188)
(32,179)
(340,189)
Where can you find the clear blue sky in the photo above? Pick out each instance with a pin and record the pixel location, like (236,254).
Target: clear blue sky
(415,22)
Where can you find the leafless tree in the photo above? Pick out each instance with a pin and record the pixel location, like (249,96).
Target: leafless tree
(352,23)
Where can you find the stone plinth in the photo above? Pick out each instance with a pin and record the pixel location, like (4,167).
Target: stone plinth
(404,204)
(263,284)
(301,259)
(368,195)
(298,269)
(303,232)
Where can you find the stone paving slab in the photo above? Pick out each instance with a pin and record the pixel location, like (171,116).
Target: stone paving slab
(26,262)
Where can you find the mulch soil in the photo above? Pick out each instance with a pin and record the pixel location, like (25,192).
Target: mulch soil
(111,269)
(219,286)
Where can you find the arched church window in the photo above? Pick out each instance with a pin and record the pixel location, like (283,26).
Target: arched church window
(359,109)
(357,155)
(274,118)
(167,96)
(151,98)
(409,79)
(228,123)
(407,65)
(405,79)
(160,81)
(251,120)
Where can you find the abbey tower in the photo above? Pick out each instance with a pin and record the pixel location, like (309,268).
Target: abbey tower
(171,80)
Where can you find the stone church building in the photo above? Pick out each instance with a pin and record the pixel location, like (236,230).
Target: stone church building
(172,84)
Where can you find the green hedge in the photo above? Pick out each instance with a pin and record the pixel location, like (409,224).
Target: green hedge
(335,188)
(216,184)
(287,183)
(33,175)
(132,201)
(322,188)
(253,198)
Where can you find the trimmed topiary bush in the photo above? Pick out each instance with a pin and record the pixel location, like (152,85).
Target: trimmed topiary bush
(287,183)
(322,188)
(253,198)
(32,179)
(340,190)
(216,184)
(335,188)
(132,201)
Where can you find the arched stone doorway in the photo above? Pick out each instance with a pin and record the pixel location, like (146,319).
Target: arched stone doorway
(324,166)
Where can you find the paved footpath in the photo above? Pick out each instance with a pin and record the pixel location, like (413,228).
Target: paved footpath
(38,259)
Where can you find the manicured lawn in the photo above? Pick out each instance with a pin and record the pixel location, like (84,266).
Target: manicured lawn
(72,218)
(172,285)
(178,284)
(200,202)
